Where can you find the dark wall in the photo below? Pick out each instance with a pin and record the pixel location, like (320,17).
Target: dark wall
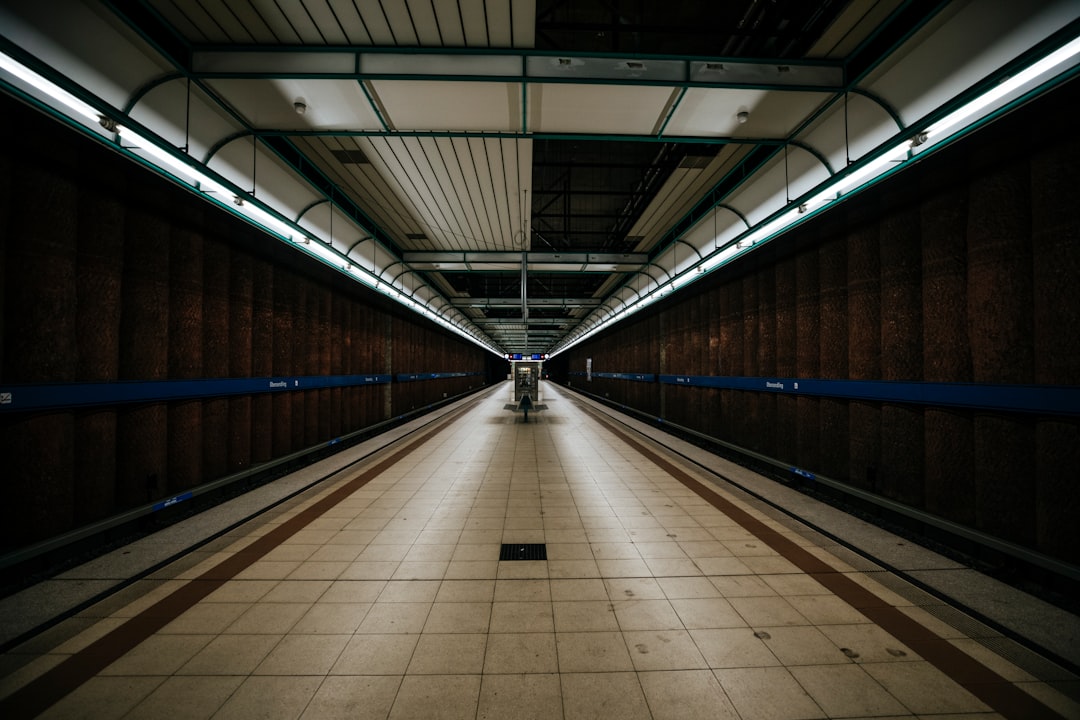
(965,268)
(109,273)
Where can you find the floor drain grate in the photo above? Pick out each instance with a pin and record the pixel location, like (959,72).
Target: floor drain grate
(523,551)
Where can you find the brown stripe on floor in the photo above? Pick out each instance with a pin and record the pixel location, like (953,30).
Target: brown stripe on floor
(44,691)
(982,682)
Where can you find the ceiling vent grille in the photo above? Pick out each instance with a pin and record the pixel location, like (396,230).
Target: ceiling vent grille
(351,157)
(696,162)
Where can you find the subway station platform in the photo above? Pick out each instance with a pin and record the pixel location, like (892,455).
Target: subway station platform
(470,565)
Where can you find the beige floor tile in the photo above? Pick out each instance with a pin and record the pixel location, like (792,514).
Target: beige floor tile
(584,616)
(687,587)
(801,645)
(466,591)
(395,617)
(268,618)
(230,655)
(297,591)
(704,548)
(471,570)
(414,591)
(454,654)
(339,552)
(578,589)
(846,691)
(370,570)
(242,591)
(353,698)
(353,591)
(769,565)
(592,652)
(205,619)
(158,655)
(826,610)
(376,655)
(520,697)
(767,611)
(603,695)
(437,697)
(480,552)
(572,569)
(623,568)
(183,698)
(409,570)
(270,697)
(869,643)
(103,698)
(458,617)
(267,570)
(722,566)
(524,590)
(521,617)
(923,689)
(513,653)
(303,655)
(569,551)
(633,588)
(733,648)
(707,613)
(673,567)
(686,695)
(731,586)
(646,615)
(332,618)
(318,571)
(663,650)
(767,693)
(523,569)
(429,553)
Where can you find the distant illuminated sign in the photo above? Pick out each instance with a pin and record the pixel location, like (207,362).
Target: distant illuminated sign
(522,356)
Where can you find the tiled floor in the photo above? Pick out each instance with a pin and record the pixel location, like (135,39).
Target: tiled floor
(386,599)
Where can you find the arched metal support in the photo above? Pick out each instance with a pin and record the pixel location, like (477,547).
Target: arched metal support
(238,135)
(357,244)
(144,89)
(883,104)
(311,205)
(812,151)
(680,241)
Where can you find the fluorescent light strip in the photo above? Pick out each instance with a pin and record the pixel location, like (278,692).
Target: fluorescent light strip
(48,87)
(1014,83)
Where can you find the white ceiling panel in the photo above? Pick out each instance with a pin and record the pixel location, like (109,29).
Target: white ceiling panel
(269,104)
(712,112)
(461,106)
(605,109)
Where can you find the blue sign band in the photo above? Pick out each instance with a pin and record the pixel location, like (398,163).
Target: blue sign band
(18,398)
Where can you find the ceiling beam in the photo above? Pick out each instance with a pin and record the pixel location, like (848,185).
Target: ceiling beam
(513,66)
(515,302)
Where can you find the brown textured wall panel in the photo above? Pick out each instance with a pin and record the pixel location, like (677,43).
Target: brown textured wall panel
(284,308)
(948,436)
(807,354)
(99,272)
(41,344)
(144,343)
(999,322)
(833,357)
(1055,175)
(901,471)
(337,355)
(323,407)
(240,418)
(1057,453)
(303,359)
(864,351)
(262,360)
(185,356)
(216,356)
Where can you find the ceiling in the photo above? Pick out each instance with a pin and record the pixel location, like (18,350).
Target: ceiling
(523,165)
